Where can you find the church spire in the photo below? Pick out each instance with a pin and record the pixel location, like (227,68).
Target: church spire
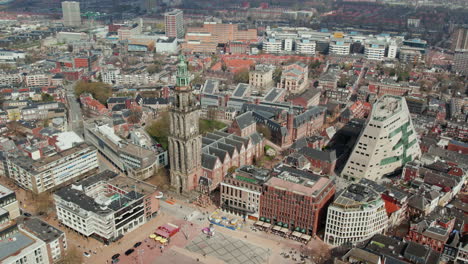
(183,77)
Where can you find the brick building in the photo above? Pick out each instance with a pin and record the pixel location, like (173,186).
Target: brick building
(296,199)
(295,77)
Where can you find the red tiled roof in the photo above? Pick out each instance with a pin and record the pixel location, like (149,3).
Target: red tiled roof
(391,207)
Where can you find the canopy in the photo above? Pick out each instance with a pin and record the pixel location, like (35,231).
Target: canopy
(279,223)
(296,234)
(306,237)
(259,223)
(298,229)
(284,230)
(266,225)
(268,220)
(163,241)
(262,219)
(285,225)
(161,232)
(277,228)
(152,236)
(303,231)
(158,238)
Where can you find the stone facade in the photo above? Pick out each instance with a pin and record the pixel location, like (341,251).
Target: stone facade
(185,141)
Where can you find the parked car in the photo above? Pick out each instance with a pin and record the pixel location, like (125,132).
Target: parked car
(137,244)
(116,256)
(128,252)
(86,254)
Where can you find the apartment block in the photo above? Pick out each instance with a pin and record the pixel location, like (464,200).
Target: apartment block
(387,142)
(106,206)
(174,24)
(45,169)
(71,13)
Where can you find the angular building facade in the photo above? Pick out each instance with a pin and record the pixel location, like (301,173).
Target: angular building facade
(387,142)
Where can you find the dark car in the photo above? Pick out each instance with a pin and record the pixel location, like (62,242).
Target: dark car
(128,252)
(116,256)
(27,214)
(137,244)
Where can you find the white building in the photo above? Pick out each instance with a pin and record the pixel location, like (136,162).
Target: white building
(11,55)
(374,51)
(43,170)
(262,76)
(305,46)
(9,79)
(272,45)
(27,248)
(106,205)
(339,47)
(392,50)
(387,142)
(288,45)
(357,214)
(167,45)
(33,80)
(71,14)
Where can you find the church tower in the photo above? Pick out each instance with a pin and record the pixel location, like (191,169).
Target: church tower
(185,141)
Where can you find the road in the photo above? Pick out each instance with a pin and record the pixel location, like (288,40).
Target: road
(75,117)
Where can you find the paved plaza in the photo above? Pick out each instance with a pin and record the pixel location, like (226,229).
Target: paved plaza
(228,249)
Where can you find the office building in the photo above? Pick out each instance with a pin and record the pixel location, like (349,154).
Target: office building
(45,169)
(355,215)
(106,206)
(174,24)
(241,191)
(460,39)
(137,161)
(305,46)
(387,142)
(374,51)
(71,14)
(295,199)
(339,47)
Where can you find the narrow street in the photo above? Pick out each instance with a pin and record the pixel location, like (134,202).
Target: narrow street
(75,117)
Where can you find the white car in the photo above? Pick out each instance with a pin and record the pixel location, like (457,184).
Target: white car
(86,254)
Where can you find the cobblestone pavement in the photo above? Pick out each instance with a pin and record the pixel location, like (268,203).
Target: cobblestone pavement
(228,249)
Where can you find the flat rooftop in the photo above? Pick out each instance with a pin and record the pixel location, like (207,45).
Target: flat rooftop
(356,195)
(386,107)
(41,229)
(4,191)
(105,202)
(298,181)
(14,244)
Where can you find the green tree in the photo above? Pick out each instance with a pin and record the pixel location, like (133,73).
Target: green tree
(242,76)
(224,67)
(265,131)
(159,129)
(99,90)
(153,68)
(47,97)
(207,125)
(277,74)
(135,116)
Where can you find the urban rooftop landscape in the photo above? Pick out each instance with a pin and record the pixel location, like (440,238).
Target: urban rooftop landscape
(234,131)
